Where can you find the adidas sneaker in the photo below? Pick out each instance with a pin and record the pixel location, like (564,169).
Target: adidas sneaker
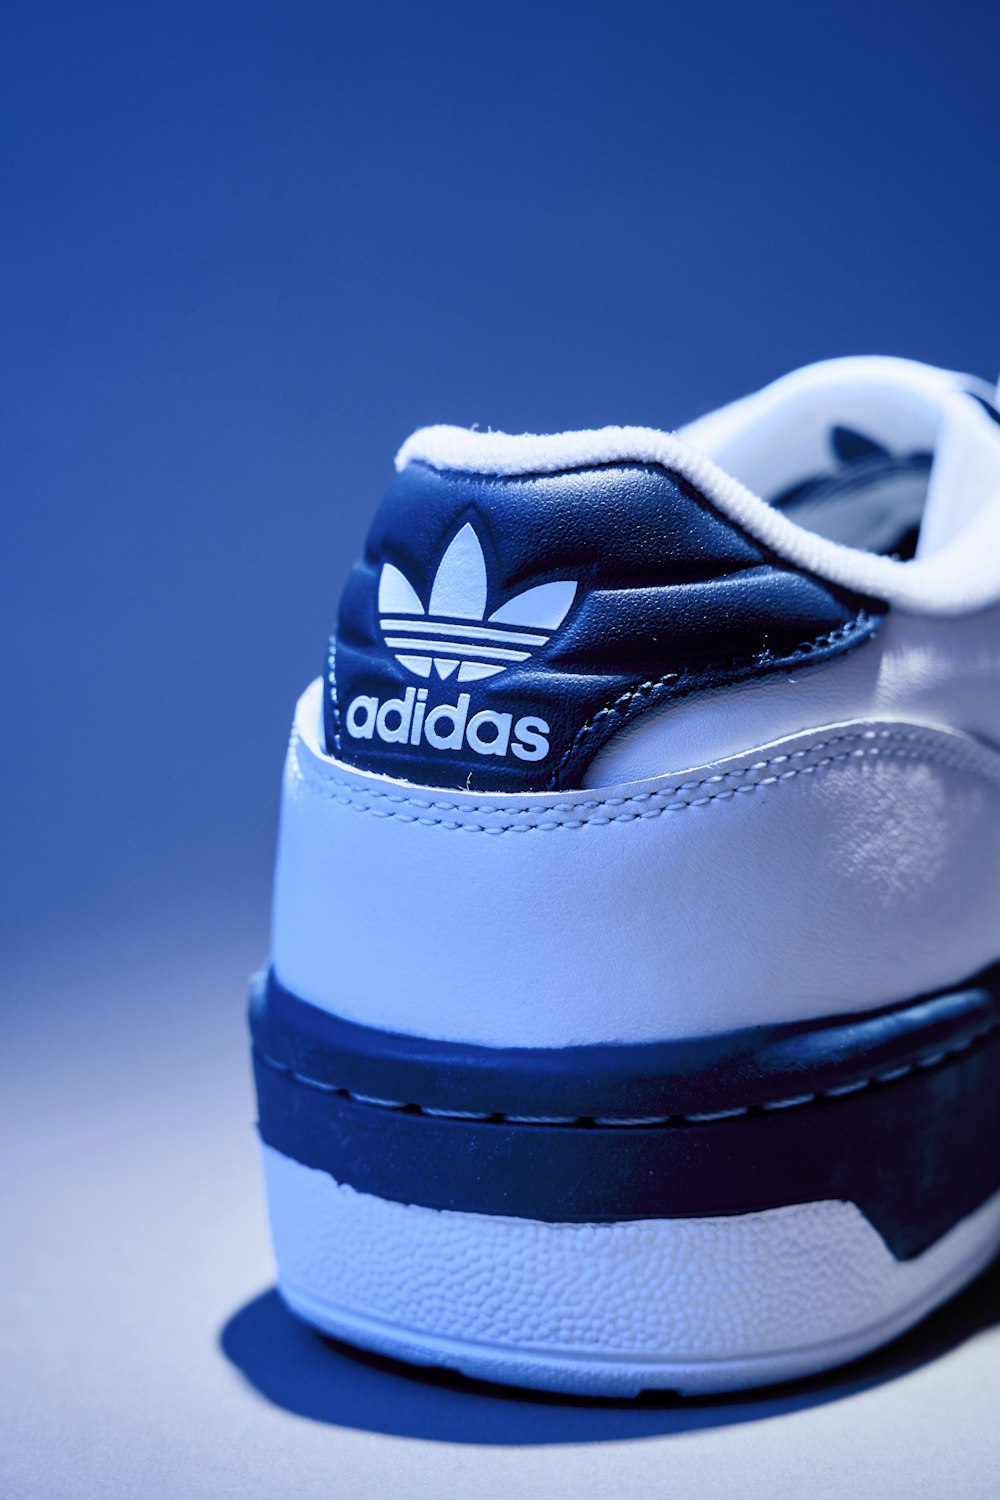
(633,1017)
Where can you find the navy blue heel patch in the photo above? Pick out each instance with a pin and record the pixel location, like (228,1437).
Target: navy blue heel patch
(499,630)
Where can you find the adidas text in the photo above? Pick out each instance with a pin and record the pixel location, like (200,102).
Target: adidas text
(406,720)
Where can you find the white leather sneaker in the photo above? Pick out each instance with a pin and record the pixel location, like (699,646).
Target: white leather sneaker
(634,1005)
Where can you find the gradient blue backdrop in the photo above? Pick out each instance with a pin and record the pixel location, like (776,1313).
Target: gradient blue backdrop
(248,248)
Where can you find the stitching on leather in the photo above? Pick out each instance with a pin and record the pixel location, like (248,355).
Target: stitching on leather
(651,688)
(714,792)
(331,677)
(655,687)
(430,804)
(885,1078)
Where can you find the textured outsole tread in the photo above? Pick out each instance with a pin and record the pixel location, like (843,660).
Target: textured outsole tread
(694,1306)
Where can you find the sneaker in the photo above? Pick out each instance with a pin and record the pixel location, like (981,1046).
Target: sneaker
(634,1005)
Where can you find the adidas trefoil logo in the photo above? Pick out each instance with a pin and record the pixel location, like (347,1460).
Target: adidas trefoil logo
(454,634)
(454,631)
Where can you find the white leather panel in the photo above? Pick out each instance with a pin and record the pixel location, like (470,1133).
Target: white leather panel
(834,871)
(924,671)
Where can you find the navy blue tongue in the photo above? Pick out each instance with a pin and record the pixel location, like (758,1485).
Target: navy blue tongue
(499,630)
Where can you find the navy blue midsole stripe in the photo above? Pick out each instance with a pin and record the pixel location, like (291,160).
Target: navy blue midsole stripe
(897,1111)
(757,1066)
(915,1155)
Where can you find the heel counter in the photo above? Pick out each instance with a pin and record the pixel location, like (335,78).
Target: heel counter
(828,874)
(500,630)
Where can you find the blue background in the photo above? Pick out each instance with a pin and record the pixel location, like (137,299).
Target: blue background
(249,248)
(246,249)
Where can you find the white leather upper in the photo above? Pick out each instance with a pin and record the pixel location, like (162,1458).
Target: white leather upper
(818,841)
(842,868)
(938,672)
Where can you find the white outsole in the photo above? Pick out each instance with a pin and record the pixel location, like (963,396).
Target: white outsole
(698,1306)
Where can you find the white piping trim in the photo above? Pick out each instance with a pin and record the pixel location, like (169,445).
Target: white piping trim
(961,578)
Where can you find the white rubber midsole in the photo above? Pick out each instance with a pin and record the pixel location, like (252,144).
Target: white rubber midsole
(695,1305)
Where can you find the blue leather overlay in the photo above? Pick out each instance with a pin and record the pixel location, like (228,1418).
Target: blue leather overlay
(860,465)
(860,460)
(499,630)
(897,1112)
